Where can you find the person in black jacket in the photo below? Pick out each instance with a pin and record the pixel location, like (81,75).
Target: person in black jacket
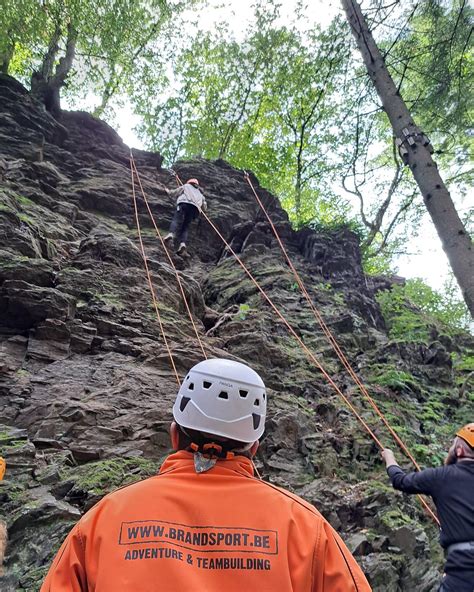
(452,490)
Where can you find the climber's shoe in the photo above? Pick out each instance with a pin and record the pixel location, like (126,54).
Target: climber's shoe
(168,238)
(182,250)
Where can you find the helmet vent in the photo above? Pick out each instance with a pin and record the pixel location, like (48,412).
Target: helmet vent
(184,401)
(264,396)
(223,395)
(206,384)
(243,394)
(256,420)
(257,403)
(191,386)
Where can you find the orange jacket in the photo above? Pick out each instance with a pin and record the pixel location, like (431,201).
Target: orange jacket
(219,531)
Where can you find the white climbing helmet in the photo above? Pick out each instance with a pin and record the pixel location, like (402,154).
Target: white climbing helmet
(223,398)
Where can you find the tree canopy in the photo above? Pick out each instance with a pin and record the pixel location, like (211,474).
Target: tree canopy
(286,98)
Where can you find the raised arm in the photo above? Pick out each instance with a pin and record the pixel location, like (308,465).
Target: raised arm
(416,482)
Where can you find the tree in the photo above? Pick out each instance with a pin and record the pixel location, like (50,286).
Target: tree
(416,151)
(266,104)
(81,46)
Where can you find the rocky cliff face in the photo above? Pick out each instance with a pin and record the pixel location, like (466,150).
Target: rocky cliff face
(86,387)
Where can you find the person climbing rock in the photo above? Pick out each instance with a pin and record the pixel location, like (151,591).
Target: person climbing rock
(452,490)
(205,522)
(189,204)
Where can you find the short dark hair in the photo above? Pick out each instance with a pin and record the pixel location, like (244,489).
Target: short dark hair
(188,436)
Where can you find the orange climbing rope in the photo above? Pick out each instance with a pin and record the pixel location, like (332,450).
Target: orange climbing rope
(170,259)
(150,283)
(333,342)
(305,348)
(308,352)
(328,333)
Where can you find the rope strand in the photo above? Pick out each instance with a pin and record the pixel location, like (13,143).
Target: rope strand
(334,343)
(147,270)
(308,352)
(180,284)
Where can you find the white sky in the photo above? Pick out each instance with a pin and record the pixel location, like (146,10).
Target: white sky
(427,259)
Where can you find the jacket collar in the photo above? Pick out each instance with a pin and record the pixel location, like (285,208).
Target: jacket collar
(184,462)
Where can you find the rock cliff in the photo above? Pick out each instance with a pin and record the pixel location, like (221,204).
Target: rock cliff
(86,386)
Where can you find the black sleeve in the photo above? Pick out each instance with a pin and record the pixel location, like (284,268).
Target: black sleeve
(419,482)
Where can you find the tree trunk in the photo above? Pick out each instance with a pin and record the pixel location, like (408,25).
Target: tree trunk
(456,242)
(45,85)
(5,58)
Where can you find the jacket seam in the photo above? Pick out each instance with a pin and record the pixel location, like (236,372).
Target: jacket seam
(347,564)
(80,536)
(293,499)
(315,551)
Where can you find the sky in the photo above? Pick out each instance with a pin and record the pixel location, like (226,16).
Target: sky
(426,258)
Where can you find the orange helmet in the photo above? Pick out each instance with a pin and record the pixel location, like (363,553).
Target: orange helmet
(192,181)
(467,434)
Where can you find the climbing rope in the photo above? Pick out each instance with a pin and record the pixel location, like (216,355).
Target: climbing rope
(330,337)
(147,270)
(305,348)
(307,351)
(170,259)
(332,340)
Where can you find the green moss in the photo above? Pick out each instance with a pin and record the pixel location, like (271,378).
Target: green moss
(7,209)
(24,201)
(374,487)
(462,362)
(389,376)
(110,299)
(10,446)
(395,518)
(25,218)
(11,491)
(105,475)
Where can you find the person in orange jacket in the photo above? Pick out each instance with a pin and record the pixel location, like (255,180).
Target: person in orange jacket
(205,523)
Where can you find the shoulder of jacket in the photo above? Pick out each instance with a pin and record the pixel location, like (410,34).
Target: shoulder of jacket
(293,499)
(118,493)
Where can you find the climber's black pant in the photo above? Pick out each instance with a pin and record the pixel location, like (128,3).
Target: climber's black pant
(185,213)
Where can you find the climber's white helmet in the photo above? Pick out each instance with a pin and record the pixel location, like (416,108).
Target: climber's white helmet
(223,398)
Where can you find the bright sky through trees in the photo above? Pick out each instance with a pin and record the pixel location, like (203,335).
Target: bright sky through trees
(425,257)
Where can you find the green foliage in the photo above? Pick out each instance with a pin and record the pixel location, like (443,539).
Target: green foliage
(114,39)
(436,54)
(267,104)
(410,310)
